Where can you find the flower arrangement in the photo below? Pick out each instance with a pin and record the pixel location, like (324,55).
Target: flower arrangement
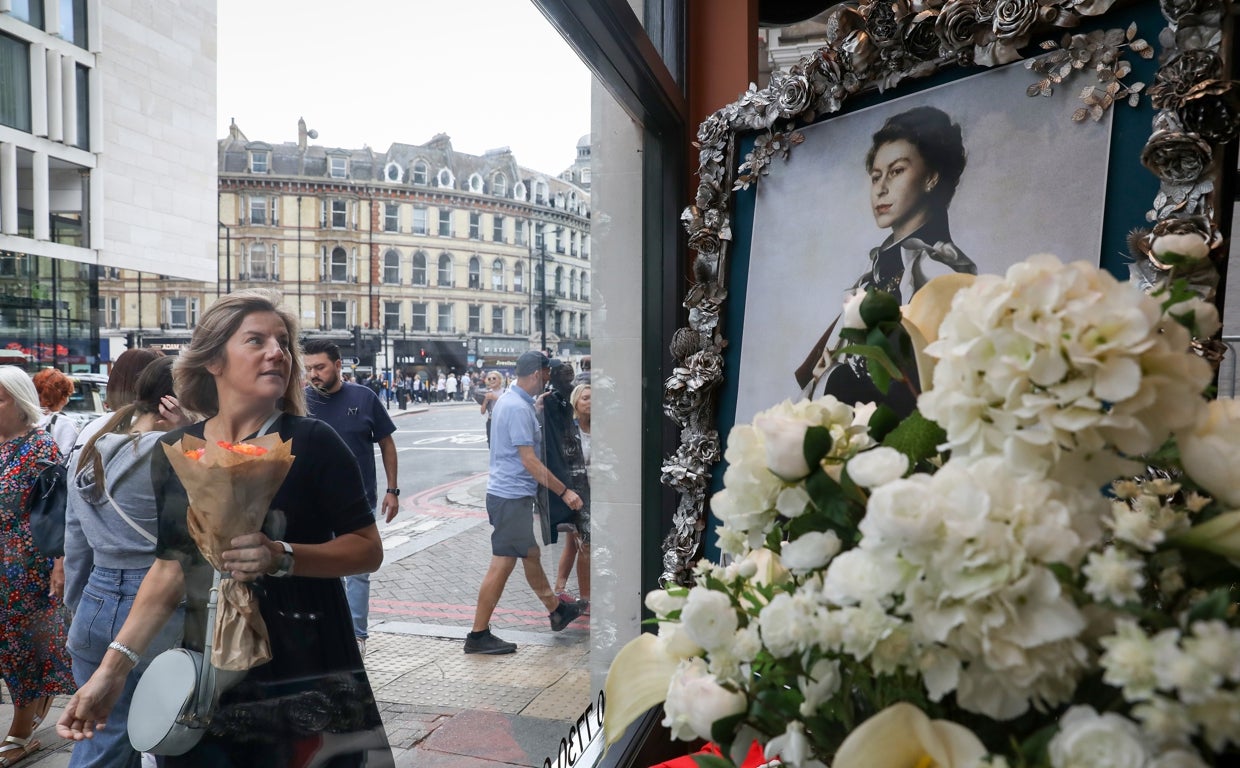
(1037,567)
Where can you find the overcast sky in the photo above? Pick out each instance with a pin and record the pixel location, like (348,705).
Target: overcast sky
(489,73)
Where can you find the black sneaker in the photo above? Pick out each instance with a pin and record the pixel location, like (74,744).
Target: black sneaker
(565,614)
(488,643)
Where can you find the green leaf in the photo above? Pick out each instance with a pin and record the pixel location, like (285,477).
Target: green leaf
(1213,607)
(878,306)
(878,374)
(917,437)
(882,421)
(816,445)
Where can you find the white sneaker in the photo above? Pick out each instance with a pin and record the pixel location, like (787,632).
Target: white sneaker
(361,647)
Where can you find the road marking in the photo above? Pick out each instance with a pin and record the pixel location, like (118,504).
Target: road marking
(441,448)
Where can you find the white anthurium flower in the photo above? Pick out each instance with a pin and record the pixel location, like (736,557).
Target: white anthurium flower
(785,444)
(1188,247)
(810,551)
(1210,450)
(695,700)
(709,619)
(636,681)
(902,736)
(877,466)
(1220,535)
(925,312)
(1087,739)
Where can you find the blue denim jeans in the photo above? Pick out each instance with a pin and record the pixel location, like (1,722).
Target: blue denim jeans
(106,602)
(357,592)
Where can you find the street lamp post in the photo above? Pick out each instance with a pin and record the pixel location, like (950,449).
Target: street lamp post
(227,260)
(542,270)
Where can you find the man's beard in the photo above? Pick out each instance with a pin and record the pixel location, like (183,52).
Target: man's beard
(327,385)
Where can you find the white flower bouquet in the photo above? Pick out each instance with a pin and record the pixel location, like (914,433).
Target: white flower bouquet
(1038,567)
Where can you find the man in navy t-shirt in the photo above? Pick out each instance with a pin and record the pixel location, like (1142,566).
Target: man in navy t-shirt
(360,418)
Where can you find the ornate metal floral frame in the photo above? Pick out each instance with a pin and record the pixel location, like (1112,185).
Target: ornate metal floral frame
(873,46)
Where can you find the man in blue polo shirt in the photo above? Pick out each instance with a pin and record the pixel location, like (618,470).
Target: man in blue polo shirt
(360,418)
(516,473)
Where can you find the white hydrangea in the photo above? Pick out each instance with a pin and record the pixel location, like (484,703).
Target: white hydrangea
(1216,645)
(1219,718)
(1087,739)
(1131,658)
(1142,524)
(1054,359)
(1114,576)
(1165,721)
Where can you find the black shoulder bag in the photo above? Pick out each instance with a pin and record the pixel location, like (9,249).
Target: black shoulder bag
(45,507)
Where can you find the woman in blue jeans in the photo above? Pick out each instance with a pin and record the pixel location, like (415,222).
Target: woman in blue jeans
(110,536)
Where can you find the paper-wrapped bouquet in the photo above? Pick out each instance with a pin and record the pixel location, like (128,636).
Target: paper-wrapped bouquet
(230,487)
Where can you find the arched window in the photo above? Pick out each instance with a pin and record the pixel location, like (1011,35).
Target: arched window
(445,269)
(499,184)
(572,284)
(444,178)
(420,172)
(518,190)
(339,266)
(258,262)
(475,272)
(391,268)
(559,281)
(419,268)
(475,183)
(518,277)
(497,275)
(540,273)
(585,287)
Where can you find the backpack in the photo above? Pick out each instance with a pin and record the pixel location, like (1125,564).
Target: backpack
(45,508)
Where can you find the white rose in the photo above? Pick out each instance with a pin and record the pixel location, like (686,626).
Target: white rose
(785,444)
(877,467)
(852,310)
(695,700)
(1204,316)
(1190,247)
(810,550)
(792,501)
(676,642)
(708,618)
(858,575)
(1211,450)
(1087,739)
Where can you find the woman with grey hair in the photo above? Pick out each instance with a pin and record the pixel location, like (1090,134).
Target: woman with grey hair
(243,371)
(33,660)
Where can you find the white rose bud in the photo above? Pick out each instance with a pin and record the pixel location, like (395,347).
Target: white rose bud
(785,445)
(852,310)
(876,467)
(810,550)
(1187,246)
(1210,451)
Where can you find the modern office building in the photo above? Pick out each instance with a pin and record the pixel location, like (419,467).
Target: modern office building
(107,115)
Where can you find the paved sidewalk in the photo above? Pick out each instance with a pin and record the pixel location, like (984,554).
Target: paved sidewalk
(442,708)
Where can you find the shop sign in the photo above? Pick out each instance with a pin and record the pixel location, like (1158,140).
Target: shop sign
(583,740)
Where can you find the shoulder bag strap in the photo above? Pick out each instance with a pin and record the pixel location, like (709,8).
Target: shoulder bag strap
(103,483)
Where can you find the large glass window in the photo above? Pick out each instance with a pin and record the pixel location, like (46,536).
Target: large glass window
(518,277)
(340,214)
(258,209)
(497,228)
(391,268)
(445,324)
(475,225)
(83,107)
(419,268)
(419,221)
(339,266)
(445,222)
(339,315)
(475,318)
(497,275)
(497,319)
(339,166)
(391,217)
(29,11)
(518,320)
(14,83)
(391,315)
(418,318)
(419,174)
(261,267)
(475,273)
(73,21)
(182,312)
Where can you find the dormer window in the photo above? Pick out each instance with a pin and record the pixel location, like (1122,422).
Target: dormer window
(475,183)
(420,172)
(259,160)
(444,178)
(339,166)
(499,185)
(518,190)
(391,172)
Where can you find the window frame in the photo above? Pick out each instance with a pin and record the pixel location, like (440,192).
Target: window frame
(391,217)
(389,269)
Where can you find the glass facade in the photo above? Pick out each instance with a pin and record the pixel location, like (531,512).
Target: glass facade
(49,313)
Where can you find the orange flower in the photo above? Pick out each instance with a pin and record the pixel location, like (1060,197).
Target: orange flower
(196,453)
(243,448)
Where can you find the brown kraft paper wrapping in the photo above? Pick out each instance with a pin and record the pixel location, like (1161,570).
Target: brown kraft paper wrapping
(229,495)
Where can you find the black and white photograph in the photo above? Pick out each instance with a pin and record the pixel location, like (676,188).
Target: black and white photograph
(971,176)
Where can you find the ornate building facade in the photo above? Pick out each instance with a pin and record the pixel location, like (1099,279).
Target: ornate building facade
(417,258)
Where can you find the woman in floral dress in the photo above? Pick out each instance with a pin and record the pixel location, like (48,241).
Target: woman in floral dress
(33,660)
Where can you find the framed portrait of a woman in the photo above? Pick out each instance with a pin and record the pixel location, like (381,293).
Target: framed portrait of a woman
(924,138)
(969,176)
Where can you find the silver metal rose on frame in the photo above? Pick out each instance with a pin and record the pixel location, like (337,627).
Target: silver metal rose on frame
(1177,158)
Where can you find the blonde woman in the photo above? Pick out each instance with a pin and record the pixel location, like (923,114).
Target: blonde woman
(243,370)
(493,387)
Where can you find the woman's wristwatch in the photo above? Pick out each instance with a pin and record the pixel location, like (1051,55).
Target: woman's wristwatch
(284,563)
